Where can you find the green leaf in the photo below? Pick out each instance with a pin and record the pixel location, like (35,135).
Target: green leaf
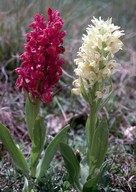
(105,101)
(71,162)
(103,169)
(91,184)
(50,152)
(100,144)
(108,97)
(93,180)
(84,170)
(90,130)
(31,110)
(26,186)
(38,140)
(87,97)
(13,150)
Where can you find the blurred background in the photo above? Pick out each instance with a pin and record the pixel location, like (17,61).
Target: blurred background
(15,16)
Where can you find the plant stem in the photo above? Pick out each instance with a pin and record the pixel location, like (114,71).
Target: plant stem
(33,171)
(90,130)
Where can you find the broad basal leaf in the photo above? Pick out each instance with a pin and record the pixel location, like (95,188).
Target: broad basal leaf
(13,150)
(71,162)
(38,139)
(91,184)
(100,143)
(50,152)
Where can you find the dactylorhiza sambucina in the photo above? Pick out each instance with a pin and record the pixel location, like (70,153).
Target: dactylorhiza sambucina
(95,66)
(41,66)
(95,62)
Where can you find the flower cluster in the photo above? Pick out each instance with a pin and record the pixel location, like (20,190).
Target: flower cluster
(95,63)
(41,66)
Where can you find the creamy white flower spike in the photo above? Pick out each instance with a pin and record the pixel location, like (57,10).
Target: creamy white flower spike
(95,63)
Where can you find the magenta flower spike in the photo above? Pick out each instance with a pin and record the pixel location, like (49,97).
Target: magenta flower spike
(41,67)
(37,77)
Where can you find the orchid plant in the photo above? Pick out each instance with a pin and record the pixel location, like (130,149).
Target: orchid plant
(37,77)
(95,66)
